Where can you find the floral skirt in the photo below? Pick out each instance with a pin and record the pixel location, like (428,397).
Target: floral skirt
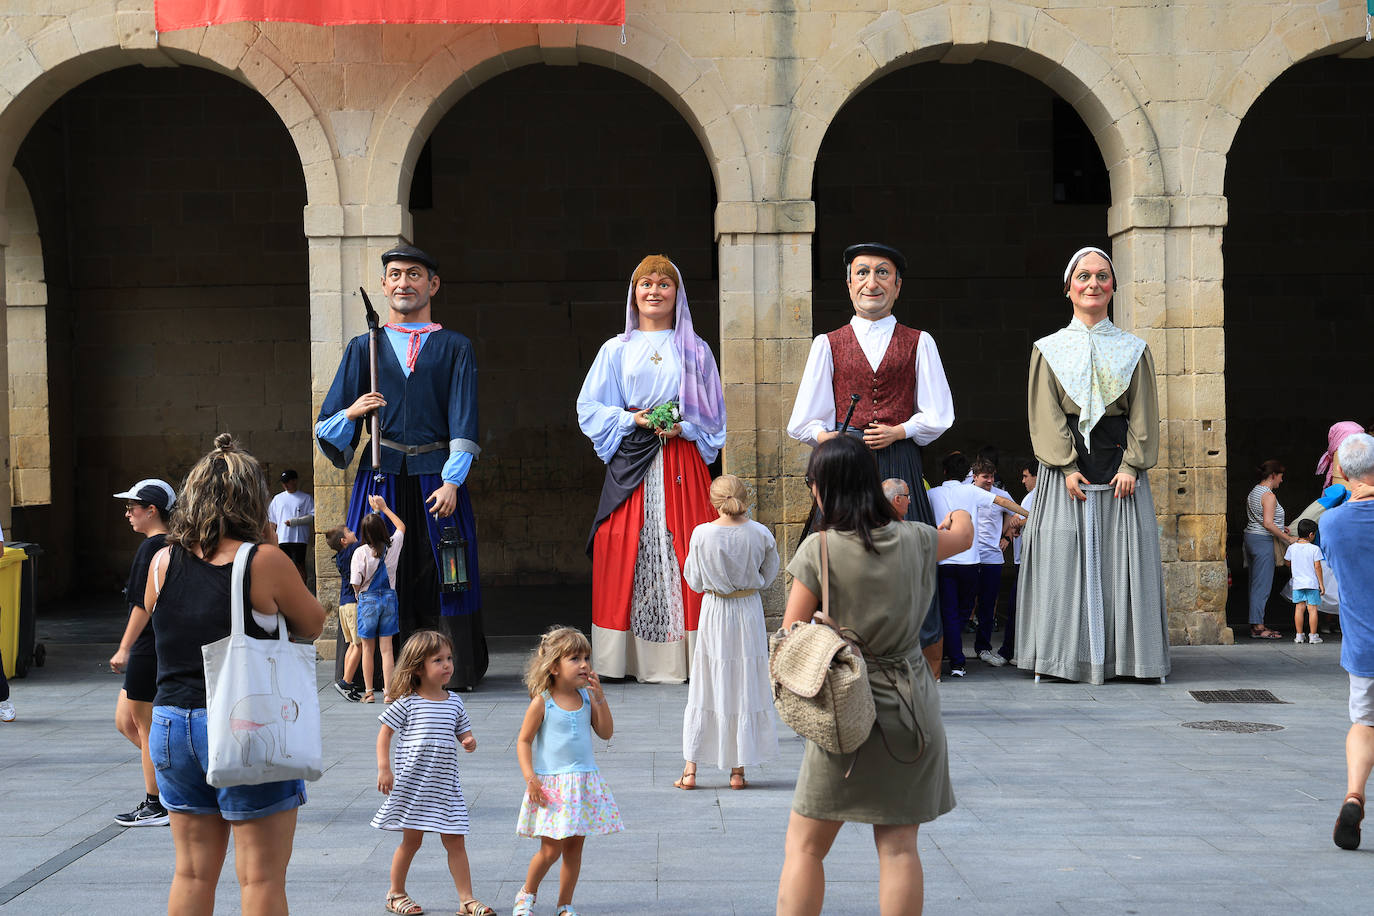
(579,804)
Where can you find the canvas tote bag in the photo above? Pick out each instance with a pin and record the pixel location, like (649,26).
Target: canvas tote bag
(262,710)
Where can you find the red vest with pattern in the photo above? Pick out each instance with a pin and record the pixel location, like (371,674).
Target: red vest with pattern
(888,395)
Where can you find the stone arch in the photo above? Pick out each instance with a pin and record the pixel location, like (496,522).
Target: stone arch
(650,56)
(47,66)
(1304,33)
(26,335)
(1021,37)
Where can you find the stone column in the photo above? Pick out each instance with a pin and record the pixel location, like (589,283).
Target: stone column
(1170,270)
(765,330)
(345,245)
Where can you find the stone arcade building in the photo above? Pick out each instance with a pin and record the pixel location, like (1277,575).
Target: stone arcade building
(187,217)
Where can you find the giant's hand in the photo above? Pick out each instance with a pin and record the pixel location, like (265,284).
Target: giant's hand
(877,436)
(365,405)
(1074,484)
(443,501)
(826,435)
(1123,484)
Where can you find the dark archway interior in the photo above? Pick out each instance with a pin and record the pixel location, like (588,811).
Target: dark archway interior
(538,193)
(169,206)
(1299,282)
(987,182)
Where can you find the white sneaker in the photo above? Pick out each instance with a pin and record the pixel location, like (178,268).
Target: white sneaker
(6,711)
(1314,638)
(992,658)
(1299,638)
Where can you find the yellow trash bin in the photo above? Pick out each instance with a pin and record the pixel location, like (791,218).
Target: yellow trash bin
(11,570)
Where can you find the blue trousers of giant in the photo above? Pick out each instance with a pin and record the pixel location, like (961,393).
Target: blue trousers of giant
(422,604)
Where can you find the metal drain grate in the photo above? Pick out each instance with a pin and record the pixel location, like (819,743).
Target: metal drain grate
(1239,728)
(1234,696)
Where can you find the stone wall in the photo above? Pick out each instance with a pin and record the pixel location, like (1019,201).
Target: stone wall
(1163,90)
(26,301)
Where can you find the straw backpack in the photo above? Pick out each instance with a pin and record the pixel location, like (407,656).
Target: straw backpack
(820,680)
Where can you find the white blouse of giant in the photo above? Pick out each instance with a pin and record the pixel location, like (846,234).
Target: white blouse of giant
(624,378)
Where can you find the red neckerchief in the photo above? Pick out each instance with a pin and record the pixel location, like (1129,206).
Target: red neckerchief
(413,351)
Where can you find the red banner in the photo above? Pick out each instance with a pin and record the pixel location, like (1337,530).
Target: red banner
(188,14)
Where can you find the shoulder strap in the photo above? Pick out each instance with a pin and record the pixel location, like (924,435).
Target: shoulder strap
(237,602)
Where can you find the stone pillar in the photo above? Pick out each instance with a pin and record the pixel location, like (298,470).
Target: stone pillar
(1171,296)
(26,333)
(765,330)
(345,245)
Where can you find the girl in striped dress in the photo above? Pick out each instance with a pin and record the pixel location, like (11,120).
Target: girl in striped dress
(423,792)
(565,799)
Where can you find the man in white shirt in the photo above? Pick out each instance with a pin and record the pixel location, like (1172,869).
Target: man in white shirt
(292,511)
(991,538)
(889,373)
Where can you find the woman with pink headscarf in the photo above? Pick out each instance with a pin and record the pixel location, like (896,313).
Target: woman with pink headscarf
(1328,463)
(653,407)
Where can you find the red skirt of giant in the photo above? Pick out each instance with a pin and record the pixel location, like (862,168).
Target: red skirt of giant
(617,652)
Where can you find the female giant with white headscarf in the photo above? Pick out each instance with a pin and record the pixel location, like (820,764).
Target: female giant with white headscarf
(657,488)
(1090,600)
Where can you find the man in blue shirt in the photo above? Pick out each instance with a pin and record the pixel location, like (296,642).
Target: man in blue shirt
(426,399)
(1347,533)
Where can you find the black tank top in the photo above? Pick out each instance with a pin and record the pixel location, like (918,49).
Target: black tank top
(193,609)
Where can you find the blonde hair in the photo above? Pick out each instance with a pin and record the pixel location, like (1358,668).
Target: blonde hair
(729,495)
(418,648)
(656,264)
(554,646)
(224,497)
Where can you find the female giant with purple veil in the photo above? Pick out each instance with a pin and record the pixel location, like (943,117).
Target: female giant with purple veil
(644,618)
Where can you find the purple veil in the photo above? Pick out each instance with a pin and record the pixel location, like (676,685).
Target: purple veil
(700,396)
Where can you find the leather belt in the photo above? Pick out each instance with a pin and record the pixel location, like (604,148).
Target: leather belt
(413,450)
(742,593)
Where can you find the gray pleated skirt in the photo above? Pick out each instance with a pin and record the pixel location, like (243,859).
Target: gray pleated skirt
(1090,598)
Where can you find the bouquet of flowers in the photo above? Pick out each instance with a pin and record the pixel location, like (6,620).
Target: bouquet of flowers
(665,415)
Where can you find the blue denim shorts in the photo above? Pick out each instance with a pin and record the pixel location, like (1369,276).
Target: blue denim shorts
(180,750)
(1310,595)
(378,614)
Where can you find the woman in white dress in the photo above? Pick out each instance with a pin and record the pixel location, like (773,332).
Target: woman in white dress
(653,407)
(729,719)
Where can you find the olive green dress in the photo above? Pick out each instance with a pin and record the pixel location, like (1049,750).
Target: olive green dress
(883,597)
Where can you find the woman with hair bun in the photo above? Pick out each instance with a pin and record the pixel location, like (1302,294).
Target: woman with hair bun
(1265,524)
(653,406)
(729,719)
(222,504)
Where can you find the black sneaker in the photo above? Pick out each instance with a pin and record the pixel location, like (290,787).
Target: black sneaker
(346,690)
(147,814)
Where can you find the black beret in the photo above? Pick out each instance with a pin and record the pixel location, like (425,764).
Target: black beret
(881,250)
(409,253)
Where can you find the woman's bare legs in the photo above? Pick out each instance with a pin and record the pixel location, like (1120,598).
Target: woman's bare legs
(901,881)
(134,719)
(262,850)
(801,889)
(201,841)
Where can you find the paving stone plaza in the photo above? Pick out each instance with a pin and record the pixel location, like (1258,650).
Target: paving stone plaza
(1072,800)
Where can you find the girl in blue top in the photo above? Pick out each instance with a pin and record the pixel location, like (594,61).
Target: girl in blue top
(566,799)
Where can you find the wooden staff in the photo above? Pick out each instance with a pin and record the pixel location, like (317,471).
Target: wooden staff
(373,333)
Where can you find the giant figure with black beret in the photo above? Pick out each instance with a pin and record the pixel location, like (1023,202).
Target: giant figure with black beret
(904,401)
(426,398)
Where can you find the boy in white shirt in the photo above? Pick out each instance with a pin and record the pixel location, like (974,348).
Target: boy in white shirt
(1305,558)
(958,575)
(991,538)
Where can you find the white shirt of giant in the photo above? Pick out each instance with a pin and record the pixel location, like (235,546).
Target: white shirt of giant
(814,410)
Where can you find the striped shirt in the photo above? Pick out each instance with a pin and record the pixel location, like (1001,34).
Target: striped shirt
(1254,511)
(427,794)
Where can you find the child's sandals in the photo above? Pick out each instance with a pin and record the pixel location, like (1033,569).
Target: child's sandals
(401,903)
(475,908)
(524,903)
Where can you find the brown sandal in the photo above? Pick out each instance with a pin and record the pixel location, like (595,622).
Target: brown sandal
(737,773)
(687,774)
(368,698)
(401,904)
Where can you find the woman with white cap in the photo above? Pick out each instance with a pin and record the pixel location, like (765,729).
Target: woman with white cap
(1090,599)
(653,406)
(146,506)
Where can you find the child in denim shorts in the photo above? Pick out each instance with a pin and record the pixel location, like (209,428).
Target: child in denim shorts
(1305,559)
(374,569)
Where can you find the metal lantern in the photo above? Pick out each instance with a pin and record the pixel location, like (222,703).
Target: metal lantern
(453,561)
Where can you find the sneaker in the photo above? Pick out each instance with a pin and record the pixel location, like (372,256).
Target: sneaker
(147,814)
(957,672)
(1314,639)
(6,711)
(1299,638)
(524,903)
(347,691)
(992,658)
